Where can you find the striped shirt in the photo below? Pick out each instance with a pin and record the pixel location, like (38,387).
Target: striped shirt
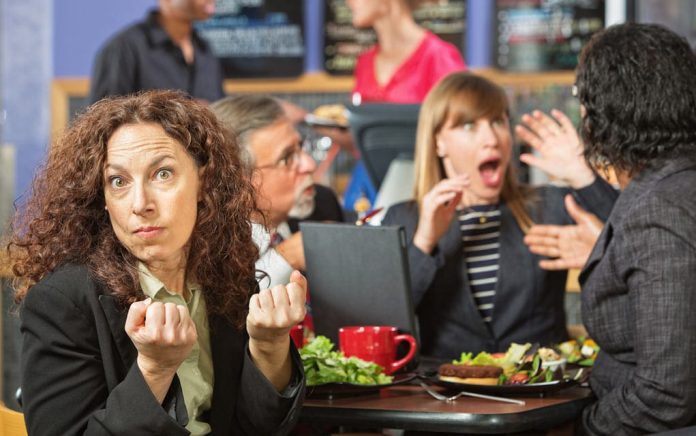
(480,226)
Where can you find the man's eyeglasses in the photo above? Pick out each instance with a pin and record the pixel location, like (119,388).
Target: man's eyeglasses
(289,160)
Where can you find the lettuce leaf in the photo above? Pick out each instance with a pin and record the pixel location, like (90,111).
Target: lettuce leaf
(323,365)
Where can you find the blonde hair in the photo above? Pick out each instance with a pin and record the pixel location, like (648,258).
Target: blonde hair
(461,98)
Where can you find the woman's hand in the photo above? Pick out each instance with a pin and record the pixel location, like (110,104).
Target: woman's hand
(272,312)
(163,334)
(437,210)
(559,147)
(569,246)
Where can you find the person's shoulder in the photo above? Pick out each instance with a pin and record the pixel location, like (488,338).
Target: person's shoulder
(677,182)
(369,53)
(365,60)
(402,210)
(670,189)
(133,34)
(73,281)
(439,56)
(434,43)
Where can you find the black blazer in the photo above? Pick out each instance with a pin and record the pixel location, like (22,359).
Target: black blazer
(639,304)
(80,377)
(528,303)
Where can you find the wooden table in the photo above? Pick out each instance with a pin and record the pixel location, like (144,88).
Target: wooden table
(410,407)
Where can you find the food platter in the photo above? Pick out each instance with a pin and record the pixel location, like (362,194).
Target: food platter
(573,375)
(542,388)
(330,390)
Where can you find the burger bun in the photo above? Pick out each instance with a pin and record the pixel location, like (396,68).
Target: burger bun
(490,381)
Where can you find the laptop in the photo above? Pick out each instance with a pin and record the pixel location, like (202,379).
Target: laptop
(358,275)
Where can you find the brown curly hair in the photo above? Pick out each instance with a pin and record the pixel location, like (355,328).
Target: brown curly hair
(64,220)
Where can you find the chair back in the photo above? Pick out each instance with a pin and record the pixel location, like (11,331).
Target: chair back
(11,422)
(383,132)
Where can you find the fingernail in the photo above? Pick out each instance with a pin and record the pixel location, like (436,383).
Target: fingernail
(147,301)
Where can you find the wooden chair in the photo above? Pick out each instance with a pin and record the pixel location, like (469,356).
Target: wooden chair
(11,422)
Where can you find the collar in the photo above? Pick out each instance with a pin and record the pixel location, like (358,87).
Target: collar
(643,183)
(151,285)
(158,36)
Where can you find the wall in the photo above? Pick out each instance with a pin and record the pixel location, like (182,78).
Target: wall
(26,71)
(76,39)
(25,59)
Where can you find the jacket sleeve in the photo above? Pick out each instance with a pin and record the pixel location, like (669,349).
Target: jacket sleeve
(261,409)
(422,266)
(63,382)
(598,197)
(658,264)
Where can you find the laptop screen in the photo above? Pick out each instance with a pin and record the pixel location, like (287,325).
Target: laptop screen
(358,275)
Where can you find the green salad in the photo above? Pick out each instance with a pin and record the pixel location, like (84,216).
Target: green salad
(323,365)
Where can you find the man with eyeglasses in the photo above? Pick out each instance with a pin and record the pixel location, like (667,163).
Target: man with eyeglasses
(282,176)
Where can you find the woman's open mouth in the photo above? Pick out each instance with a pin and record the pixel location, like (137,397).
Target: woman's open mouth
(491,172)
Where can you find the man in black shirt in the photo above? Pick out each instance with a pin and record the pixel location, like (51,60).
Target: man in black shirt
(162,51)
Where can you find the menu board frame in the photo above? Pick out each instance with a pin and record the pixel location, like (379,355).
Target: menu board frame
(543,35)
(343,43)
(257,38)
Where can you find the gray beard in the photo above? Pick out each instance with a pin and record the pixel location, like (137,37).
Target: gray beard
(304,206)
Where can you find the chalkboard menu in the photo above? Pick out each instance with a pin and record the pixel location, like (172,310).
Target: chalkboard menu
(343,43)
(537,35)
(257,38)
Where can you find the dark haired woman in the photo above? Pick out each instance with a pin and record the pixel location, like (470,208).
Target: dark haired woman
(476,286)
(136,269)
(637,87)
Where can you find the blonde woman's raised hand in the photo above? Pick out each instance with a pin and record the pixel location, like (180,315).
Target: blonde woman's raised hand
(558,146)
(163,335)
(437,210)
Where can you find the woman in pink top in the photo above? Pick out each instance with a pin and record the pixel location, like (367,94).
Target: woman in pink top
(407,60)
(405,63)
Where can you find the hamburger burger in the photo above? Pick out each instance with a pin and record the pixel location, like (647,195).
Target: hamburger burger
(470,374)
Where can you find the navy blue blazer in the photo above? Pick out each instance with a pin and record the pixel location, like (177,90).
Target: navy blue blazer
(80,377)
(528,305)
(639,304)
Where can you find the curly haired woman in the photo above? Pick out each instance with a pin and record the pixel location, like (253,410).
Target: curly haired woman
(136,276)
(637,89)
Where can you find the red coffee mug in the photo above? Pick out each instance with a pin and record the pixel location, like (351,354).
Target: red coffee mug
(376,344)
(297,335)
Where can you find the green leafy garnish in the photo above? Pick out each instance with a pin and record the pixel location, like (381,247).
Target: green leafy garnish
(509,362)
(323,365)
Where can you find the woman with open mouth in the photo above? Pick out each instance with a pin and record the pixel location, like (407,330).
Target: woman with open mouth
(476,286)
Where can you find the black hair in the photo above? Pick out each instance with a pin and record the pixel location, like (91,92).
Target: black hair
(637,83)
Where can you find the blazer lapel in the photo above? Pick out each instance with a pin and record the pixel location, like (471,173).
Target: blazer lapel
(116,318)
(518,272)
(228,347)
(597,252)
